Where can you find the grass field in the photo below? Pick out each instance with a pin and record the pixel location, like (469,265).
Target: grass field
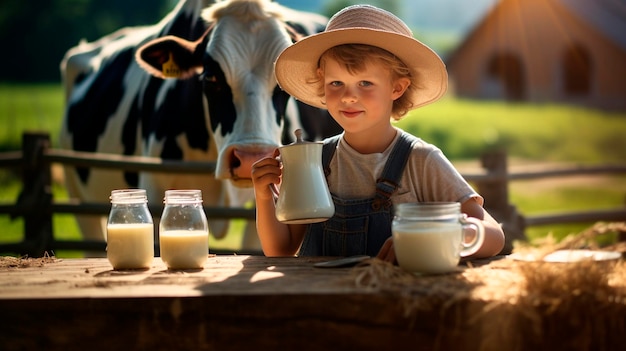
(531,134)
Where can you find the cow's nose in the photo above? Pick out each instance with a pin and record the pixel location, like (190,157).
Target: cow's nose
(242,161)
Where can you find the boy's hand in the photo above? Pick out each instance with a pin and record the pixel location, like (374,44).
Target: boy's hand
(387,252)
(265,172)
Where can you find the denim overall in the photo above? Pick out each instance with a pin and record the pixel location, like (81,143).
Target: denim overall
(359,226)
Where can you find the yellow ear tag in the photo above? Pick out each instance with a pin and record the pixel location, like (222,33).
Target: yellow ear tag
(170,69)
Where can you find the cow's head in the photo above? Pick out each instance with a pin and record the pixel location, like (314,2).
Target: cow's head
(234,60)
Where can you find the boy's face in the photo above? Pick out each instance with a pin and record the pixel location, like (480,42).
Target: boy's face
(363,100)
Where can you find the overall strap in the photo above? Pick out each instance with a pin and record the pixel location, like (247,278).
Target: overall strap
(389,180)
(328,150)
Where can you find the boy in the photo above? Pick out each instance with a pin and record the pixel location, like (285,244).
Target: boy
(366,69)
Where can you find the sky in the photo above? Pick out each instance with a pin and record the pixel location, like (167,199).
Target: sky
(453,16)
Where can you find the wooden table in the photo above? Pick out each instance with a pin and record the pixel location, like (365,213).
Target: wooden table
(254,302)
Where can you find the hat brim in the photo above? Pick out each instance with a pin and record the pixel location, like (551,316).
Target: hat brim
(298,63)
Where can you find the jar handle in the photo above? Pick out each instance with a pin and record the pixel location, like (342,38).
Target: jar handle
(470,248)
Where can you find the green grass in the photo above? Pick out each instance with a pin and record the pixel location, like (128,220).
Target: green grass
(543,197)
(29,108)
(463,129)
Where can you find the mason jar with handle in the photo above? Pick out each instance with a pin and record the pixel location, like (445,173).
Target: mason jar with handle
(184,230)
(130,230)
(432,237)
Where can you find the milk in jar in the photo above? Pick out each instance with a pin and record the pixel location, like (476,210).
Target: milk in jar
(429,237)
(130,230)
(184,248)
(436,244)
(183,230)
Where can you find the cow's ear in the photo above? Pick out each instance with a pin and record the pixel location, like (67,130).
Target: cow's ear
(170,57)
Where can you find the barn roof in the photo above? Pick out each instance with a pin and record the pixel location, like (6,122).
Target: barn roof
(608,16)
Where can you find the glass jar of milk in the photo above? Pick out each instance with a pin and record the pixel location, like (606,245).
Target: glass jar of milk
(183,230)
(432,237)
(130,230)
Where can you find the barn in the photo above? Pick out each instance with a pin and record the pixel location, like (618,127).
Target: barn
(563,51)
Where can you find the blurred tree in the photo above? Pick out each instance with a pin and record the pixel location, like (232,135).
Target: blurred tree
(333,6)
(36,35)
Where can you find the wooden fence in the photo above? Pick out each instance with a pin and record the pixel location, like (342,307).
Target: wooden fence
(37,206)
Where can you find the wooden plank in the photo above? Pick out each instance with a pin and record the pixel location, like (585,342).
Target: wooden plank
(216,323)
(82,278)
(127,163)
(11,159)
(605,169)
(609,215)
(251,302)
(236,302)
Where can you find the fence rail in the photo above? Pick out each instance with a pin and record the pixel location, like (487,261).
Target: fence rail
(37,206)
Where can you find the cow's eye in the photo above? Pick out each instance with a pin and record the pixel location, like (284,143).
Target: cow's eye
(211,83)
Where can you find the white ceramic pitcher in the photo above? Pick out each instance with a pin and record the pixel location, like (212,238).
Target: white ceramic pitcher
(304,196)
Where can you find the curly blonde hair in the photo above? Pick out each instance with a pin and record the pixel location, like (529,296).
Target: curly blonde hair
(354,58)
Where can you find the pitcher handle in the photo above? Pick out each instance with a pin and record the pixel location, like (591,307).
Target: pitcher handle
(274,187)
(275,191)
(470,248)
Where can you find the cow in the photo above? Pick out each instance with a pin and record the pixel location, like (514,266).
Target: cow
(197,86)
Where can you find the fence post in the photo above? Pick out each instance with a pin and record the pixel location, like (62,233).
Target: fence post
(497,191)
(496,194)
(621,236)
(36,195)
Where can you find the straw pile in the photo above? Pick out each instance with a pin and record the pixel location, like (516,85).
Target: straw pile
(24,262)
(517,305)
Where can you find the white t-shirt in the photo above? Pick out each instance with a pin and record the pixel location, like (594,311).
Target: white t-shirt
(428,176)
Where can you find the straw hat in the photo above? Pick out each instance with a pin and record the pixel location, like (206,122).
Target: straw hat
(361,24)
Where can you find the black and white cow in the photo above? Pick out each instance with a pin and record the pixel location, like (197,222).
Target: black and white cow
(197,86)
